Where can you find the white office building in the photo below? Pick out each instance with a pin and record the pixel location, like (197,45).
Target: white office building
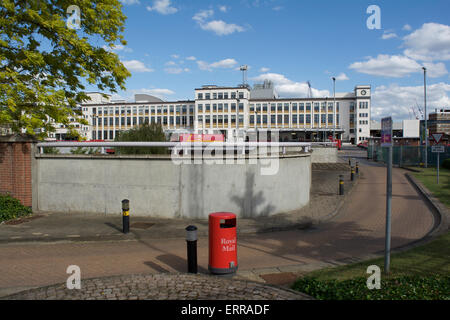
(237,112)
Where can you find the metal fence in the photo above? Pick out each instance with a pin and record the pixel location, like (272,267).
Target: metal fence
(407,155)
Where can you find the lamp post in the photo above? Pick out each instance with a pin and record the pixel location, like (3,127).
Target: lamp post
(334,107)
(256,125)
(425,106)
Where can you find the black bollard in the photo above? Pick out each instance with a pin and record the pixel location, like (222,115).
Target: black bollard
(352,176)
(191,241)
(341,185)
(357,168)
(349,161)
(126,215)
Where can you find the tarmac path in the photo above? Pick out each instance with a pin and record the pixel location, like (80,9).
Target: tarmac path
(356,231)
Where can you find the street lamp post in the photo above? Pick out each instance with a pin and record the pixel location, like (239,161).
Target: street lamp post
(425,106)
(256,125)
(334,108)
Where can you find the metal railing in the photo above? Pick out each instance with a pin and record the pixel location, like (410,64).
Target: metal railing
(240,146)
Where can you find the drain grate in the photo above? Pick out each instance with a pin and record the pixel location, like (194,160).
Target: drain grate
(141,225)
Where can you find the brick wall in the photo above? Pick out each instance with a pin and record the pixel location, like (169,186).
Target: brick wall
(15,167)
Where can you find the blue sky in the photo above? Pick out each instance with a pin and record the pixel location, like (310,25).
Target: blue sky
(175,46)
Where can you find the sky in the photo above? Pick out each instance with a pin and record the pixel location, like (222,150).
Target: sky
(175,46)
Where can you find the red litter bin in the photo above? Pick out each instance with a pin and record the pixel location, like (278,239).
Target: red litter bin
(222,243)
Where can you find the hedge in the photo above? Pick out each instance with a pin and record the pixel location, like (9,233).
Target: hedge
(11,208)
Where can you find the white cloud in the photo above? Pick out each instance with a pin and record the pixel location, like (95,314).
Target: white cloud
(191,58)
(277,8)
(219,27)
(387,66)
(223,64)
(160,93)
(264,70)
(342,77)
(163,7)
(407,27)
(129,2)
(170,63)
(388,35)
(136,66)
(287,87)
(118,47)
(202,15)
(396,101)
(430,42)
(175,56)
(176,70)
(435,70)
(223,8)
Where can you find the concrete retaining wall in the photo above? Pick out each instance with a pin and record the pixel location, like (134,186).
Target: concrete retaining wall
(324,155)
(158,187)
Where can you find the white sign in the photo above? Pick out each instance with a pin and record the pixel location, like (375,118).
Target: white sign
(438,149)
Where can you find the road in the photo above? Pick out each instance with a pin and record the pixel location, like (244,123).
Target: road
(357,230)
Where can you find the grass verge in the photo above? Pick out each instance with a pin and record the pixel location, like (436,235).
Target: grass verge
(420,273)
(428,178)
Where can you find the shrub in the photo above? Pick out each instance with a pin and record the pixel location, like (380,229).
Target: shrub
(401,288)
(11,208)
(147,132)
(446,164)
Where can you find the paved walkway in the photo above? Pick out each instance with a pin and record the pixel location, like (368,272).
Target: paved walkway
(356,232)
(162,287)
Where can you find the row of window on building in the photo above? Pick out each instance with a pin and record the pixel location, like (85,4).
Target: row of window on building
(141,110)
(220,95)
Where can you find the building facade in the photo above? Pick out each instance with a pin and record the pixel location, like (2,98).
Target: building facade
(236,112)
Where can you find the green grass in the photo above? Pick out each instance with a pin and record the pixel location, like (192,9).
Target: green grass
(428,178)
(419,273)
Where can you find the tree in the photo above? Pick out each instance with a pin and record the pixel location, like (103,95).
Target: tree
(44,62)
(145,132)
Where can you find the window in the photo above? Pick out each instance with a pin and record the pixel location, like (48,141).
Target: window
(264,119)
(220,95)
(280,119)
(308,107)
(286,119)
(330,118)
(214,107)
(225,107)
(207,96)
(241,107)
(294,119)
(241,95)
(323,118)
(308,119)
(200,96)
(233,95)
(272,107)
(294,107)
(214,95)
(272,119)
(252,108)
(316,107)
(302,119)
(225,95)
(264,107)
(252,119)
(207,107)
(233,107)
(200,108)
(280,107)
(301,107)
(316,119)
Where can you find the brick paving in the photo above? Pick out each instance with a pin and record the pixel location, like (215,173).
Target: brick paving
(161,287)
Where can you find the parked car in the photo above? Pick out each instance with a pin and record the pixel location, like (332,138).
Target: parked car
(363,145)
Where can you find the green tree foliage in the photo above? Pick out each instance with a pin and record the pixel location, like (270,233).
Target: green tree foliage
(44,63)
(147,132)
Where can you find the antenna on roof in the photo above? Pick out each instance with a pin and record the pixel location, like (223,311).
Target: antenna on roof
(244,69)
(310,94)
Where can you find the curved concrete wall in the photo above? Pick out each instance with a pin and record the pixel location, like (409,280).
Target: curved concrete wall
(157,187)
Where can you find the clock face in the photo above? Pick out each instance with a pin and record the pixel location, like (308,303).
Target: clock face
(363,92)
